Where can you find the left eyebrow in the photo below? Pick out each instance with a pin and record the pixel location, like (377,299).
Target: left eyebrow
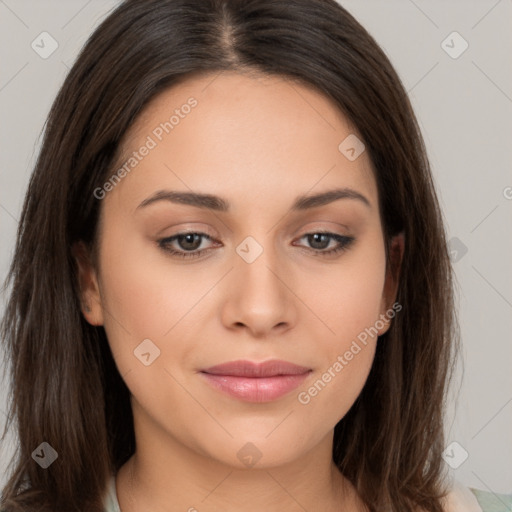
(217,203)
(306,202)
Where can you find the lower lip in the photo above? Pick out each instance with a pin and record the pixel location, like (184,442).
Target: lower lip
(256,389)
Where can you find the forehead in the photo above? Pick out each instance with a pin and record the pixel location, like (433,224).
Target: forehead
(249,133)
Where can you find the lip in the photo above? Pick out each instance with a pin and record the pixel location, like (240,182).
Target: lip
(256,382)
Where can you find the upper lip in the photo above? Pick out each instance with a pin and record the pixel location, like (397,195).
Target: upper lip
(270,368)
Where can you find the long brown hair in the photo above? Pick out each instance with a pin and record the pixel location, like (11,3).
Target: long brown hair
(66,389)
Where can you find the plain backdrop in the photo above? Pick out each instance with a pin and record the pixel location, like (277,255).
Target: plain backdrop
(463,99)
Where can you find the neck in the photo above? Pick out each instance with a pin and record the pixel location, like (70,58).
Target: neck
(165,475)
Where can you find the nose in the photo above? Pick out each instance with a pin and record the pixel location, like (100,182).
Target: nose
(259,296)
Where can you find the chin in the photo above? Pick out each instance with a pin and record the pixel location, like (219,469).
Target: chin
(258,452)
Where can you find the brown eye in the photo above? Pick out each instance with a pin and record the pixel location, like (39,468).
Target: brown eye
(187,244)
(319,241)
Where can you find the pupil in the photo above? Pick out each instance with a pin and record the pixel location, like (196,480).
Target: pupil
(317,239)
(189,239)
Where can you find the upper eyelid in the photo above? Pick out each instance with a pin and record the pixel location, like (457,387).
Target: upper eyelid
(212,232)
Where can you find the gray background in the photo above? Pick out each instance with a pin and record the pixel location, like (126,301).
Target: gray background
(464,106)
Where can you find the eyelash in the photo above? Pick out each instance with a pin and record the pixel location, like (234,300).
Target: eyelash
(344,243)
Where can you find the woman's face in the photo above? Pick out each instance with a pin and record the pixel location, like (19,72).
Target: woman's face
(257,285)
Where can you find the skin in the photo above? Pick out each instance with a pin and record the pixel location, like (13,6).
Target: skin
(257,142)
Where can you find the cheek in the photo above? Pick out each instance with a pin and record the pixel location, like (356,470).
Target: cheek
(145,296)
(144,290)
(330,395)
(350,308)
(348,296)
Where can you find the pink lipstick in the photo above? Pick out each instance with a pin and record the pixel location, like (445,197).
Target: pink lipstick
(256,382)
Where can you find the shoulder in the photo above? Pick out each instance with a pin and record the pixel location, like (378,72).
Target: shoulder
(461,499)
(467,499)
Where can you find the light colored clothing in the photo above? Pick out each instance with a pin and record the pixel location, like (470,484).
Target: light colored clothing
(492,502)
(111,503)
(460,499)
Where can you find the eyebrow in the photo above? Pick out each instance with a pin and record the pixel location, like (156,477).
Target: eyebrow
(212,202)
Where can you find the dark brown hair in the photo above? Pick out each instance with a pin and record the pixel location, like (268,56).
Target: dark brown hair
(66,389)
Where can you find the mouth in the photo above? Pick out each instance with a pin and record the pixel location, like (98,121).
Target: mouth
(256,382)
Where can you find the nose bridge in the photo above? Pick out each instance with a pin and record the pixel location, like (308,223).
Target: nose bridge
(260,299)
(257,266)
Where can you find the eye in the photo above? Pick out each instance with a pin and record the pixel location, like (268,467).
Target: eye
(189,243)
(320,240)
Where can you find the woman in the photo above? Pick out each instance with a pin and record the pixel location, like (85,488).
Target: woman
(231,288)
